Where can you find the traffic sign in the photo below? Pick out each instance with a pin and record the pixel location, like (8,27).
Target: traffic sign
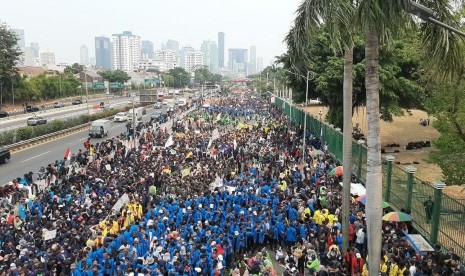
(98,85)
(117,85)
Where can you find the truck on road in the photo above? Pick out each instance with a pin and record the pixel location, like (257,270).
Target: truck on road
(99,128)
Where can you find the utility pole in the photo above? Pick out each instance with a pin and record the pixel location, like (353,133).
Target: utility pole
(87,100)
(133,120)
(304,144)
(13,92)
(1,94)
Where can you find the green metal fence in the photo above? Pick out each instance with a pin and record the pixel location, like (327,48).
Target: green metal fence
(403,191)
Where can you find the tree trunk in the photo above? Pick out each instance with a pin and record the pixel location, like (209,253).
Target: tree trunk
(374,185)
(347,144)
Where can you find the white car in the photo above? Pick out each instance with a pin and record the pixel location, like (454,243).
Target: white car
(121,117)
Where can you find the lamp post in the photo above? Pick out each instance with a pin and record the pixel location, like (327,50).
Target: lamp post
(320,113)
(87,94)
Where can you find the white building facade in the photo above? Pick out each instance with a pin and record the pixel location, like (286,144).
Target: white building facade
(193,61)
(47,58)
(126,49)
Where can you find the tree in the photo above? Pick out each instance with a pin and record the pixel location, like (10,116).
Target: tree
(203,75)
(9,56)
(181,77)
(447,104)
(115,76)
(378,20)
(74,69)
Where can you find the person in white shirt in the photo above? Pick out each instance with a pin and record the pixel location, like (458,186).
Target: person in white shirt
(360,239)
(412,269)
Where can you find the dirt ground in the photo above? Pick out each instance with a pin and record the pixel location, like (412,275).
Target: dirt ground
(402,130)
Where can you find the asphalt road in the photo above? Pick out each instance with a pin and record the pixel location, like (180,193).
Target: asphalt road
(33,158)
(59,113)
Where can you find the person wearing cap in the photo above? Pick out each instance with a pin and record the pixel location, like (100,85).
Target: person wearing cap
(357,264)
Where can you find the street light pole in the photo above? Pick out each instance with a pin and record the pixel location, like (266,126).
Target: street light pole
(305,120)
(13,92)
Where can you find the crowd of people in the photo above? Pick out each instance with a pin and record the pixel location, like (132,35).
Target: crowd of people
(216,190)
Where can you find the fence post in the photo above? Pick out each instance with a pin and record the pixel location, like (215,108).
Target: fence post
(410,172)
(390,160)
(438,187)
(360,159)
(336,144)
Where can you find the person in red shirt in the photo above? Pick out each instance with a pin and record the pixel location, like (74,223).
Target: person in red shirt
(11,218)
(357,264)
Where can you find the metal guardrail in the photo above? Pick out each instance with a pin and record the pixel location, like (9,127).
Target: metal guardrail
(45,138)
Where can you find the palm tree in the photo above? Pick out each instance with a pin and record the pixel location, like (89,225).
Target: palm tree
(337,16)
(379,20)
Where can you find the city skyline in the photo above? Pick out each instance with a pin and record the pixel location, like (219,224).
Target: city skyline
(272,17)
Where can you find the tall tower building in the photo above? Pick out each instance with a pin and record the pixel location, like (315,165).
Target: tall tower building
(126,50)
(35,47)
(103,52)
(221,50)
(193,61)
(253,60)
(20,35)
(147,51)
(210,55)
(237,61)
(172,45)
(84,53)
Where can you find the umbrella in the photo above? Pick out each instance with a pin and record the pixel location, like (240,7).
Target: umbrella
(362,199)
(397,216)
(336,171)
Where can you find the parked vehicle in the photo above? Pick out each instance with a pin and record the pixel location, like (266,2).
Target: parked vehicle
(58,104)
(36,120)
(99,128)
(157,106)
(32,108)
(76,102)
(3,114)
(181,102)
(156,114)
(121,117)
(4,155)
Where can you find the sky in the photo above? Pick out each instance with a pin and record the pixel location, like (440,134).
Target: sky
(62,26)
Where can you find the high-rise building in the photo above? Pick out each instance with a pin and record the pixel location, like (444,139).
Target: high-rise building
(103,52)
(92,61)
(253,60)
(29,58)
(84,53)
(126,51)
(172,45)
(186,49)
(47,57)
(147,50)
(210,55)
(166,59)
(259,64)
(20,35)
(35,47)
(237,61)
(221,50)
(193,61)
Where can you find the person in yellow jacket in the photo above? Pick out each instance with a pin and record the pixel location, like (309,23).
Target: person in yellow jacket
(393,268)
(365,271)
(382,265)
(306,213)
(283,186)
(316,216)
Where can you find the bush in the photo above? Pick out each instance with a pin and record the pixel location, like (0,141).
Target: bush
(29,132)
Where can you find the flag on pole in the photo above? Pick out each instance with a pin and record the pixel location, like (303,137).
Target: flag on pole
(210,143)
(68,154)
(235,144)
(218,117)
(215,134)
(169,142)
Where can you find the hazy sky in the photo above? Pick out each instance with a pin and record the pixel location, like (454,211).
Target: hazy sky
(63,26)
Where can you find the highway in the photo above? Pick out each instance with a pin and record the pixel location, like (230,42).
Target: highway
(14,122)
(32,159)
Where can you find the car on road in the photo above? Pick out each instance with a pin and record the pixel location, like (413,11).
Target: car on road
(157,106)
(32,108)
(121,117)
(3,114)
(36,120)
(156,114)
(58,104)
(76,102)
(4,155)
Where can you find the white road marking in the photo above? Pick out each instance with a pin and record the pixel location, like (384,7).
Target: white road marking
(35,156)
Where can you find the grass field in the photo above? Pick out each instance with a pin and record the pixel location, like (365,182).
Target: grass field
(402,130)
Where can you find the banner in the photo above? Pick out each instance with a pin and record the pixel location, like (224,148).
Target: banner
(169,142)
(120,203)
(49,235)
(186,172)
